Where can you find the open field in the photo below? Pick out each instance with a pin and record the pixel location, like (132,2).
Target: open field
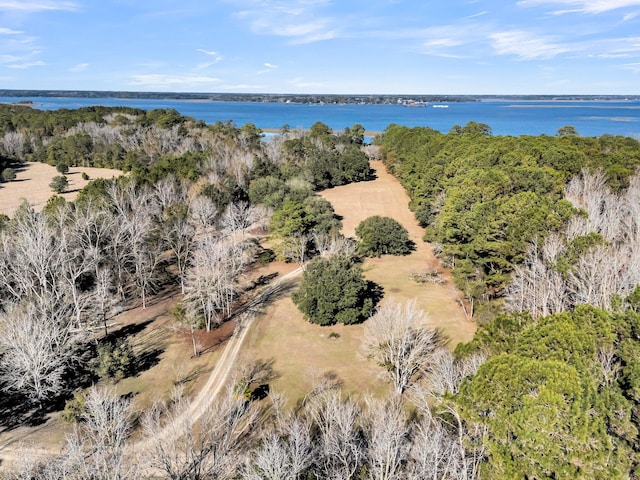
(386,197)
(301,352)
(32,184)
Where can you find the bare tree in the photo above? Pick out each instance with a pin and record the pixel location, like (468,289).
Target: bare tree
(36,349)
(210,285)
(96,447)
(208,449)
(445,373)
(340,447)
(388,439)
(400,341)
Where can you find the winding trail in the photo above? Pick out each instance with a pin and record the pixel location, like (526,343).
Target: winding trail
(221,373)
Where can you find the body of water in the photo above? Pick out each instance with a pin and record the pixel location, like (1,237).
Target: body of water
(505,117)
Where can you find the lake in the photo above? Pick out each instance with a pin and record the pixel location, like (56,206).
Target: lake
(505,117)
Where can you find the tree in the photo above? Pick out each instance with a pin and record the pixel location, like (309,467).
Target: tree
(59,184)
(96,447)
(37,348)
(8,175)
(382,236)
(400,341)
(333,290)
(62,168)
(535,414)
(183,448)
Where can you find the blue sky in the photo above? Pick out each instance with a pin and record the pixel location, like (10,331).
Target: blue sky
(323,46)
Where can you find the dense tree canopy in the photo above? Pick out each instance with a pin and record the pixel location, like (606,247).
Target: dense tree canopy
(483,199)
(558,395)
(382,236)
(333,290)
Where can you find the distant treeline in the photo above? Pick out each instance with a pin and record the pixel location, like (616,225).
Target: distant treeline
(378,99)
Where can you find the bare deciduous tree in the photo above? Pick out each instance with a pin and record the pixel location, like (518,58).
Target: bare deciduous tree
(207,449)
(96,448)
(388,439)
(400,341)
(340,448)
(36,349)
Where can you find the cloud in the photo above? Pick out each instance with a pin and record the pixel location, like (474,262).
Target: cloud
(41,6)
(81,67)
(163,80)
(8,31)
(300,83)
(526,46)
(22,66)
(629,16)
(206,52)
(479,14)
(242,86)
(268,67)
(303,21)
(582,6)
(634,67)
(444,41)
(211,53)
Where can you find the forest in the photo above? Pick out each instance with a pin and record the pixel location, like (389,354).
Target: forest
(542,235)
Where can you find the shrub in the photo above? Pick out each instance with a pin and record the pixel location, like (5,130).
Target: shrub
(114,360)
(62,167)
(8,175)
(59,184)
(85,176)
(74,408)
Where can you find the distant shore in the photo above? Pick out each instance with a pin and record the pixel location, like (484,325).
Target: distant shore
(316,99)
(367,133)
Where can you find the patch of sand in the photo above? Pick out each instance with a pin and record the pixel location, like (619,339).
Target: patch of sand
(32,184)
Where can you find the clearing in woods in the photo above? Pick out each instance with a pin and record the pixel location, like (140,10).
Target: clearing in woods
(32,184)
(298,352)
(301,352)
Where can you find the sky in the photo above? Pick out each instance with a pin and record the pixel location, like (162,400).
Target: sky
(323,46)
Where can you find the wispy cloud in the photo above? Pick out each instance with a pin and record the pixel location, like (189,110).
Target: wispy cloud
(81,67)
(527,46)
(204,65)
(206,52)
(40,6)
(479,14)
(582,6)
(9,31)
(448,40)
(303,21)
(268,67)
(164,80)
(22,66)
(301,83)
(634,67)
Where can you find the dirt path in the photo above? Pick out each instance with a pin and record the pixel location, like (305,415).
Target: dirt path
(385,196)
(11,454)
(221,374)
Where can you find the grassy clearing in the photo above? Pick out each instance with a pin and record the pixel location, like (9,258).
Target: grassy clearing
(301,352)
(32,184)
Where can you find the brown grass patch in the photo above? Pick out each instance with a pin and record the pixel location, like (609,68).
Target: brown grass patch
(385,196)
(302,352)
(32,184)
